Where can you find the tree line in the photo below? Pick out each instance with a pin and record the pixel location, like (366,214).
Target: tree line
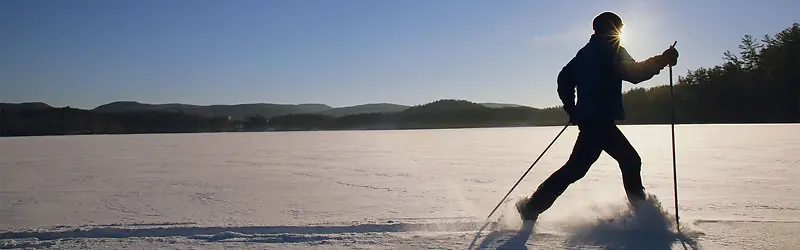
(446,113)
(66,121)
(438,114)
(760,83)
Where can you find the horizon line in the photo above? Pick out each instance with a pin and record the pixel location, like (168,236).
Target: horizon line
(287,104)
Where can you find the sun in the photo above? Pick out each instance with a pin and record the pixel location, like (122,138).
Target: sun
(620,35)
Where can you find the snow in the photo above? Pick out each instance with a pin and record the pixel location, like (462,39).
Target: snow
(413,189)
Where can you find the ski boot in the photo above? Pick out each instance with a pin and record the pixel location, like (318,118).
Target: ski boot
(636,199)
(525,211)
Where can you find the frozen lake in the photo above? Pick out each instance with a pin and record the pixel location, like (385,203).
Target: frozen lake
(413,189)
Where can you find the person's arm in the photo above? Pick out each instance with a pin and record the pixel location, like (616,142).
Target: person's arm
(636,72)
(566,86)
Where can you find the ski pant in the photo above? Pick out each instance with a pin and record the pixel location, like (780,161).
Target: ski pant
(593,139)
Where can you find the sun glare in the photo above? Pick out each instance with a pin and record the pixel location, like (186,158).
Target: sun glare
(621,36)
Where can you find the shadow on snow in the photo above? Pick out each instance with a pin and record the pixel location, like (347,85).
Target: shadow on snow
(274,233)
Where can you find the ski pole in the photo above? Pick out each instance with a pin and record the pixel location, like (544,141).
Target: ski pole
(672,128)
(526,172)
(515,186)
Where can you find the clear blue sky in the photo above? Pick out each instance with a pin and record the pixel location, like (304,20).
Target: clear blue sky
(84,53)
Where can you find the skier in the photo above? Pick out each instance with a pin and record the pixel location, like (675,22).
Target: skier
(597,72)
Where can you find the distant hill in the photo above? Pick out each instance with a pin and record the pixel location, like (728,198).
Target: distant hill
(239,111)
(364,109)
(445,113)
(500,105)
(443,105)
(24,106)
(134,117)
(268,110)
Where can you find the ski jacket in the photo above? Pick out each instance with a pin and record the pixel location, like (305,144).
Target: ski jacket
(597,71)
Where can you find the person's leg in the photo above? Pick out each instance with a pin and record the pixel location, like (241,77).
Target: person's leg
(587,149)
(629,161)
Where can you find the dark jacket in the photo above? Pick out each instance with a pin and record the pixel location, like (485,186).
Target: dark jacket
(597,71)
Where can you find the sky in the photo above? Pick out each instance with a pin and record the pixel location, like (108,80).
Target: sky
(85,53)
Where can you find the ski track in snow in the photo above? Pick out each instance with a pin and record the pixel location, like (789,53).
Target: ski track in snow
(649,227)
(616,227)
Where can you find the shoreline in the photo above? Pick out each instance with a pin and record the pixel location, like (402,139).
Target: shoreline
(401,129)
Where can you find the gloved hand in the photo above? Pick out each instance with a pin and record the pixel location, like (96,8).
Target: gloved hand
(571,113)
(670,57)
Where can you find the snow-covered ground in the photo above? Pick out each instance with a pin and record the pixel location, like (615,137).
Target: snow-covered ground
(415,189)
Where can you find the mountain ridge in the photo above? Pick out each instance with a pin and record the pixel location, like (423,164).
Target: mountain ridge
(244,110)
(236,111)
(24,106)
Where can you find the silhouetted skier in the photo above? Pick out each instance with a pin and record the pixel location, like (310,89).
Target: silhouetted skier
(597,72)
